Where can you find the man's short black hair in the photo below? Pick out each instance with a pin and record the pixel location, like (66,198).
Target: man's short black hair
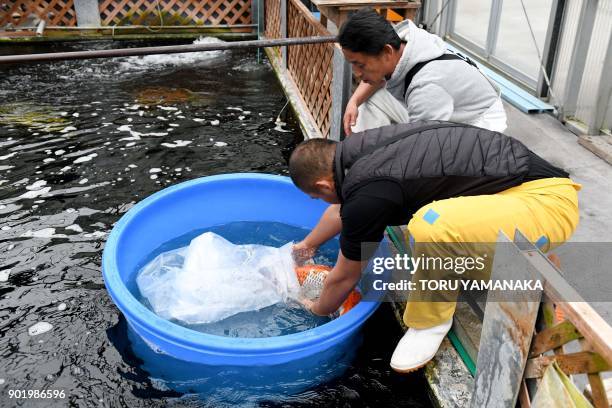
(368,32)
(311,160)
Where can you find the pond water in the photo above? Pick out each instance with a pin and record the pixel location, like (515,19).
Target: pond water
(80,143)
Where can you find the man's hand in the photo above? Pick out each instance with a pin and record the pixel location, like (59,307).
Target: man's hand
(350,117)
(307,303)
(302,252)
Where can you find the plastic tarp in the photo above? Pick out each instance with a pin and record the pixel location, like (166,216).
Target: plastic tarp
(213,279)
(556,390)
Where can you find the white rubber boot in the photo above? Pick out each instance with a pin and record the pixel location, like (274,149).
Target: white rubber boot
(418,346)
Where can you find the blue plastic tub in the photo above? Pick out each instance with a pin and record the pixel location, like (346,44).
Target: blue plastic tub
(203,203)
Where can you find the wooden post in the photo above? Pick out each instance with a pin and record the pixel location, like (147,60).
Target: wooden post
(283,13)
(506,331)
(341,92)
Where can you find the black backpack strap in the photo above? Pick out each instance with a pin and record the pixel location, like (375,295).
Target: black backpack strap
(444,57)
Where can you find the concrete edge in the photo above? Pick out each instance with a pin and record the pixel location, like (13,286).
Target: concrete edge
(450,382)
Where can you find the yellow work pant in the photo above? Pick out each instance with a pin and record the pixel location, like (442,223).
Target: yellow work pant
(545,211)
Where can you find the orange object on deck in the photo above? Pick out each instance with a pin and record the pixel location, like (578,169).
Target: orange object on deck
(314,275)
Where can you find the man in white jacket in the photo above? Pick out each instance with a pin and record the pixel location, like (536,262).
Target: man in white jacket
(407,74)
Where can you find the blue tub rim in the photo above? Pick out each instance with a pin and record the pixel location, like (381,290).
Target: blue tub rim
(136,312)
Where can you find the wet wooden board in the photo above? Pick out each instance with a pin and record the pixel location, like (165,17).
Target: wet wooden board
(506,333)
(600,145)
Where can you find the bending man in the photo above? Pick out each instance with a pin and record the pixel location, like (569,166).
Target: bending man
(450,183)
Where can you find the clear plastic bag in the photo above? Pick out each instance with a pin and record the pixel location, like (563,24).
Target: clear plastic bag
(213,279)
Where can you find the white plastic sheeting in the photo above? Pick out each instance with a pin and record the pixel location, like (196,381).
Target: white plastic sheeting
(213,279)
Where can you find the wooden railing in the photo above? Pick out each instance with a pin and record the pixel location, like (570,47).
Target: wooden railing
(175,12)
(521,338)
(315,77)
(21,12)
(90,19)
(311,65)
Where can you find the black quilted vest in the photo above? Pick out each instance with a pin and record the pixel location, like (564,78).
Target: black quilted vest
(431,160)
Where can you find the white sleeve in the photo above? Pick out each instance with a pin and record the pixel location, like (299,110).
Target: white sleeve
(429,102)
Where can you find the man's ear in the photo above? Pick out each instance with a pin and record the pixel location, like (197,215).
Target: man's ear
(324,185)
(388,50)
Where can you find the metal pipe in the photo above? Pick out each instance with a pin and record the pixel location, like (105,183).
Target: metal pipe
(134,27)
(169,49)
(41,28)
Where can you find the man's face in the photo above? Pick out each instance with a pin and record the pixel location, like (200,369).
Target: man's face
(371,69)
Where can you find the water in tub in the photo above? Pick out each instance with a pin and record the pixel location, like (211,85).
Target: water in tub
(234,280)
(80,143)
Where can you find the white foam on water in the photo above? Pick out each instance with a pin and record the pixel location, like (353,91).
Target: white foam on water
(234,108)
(8,156)
(63,113)
(241,117)
(199,120)
(68,129)
(153,61)
(87,158)
(279,126)
(132,166)
(129,119)
(65,169)
(220,144)
(155,170)
(177,143)
(246,112)
(43,233)
(59,152)
(49,160)
(39,328)
(1,381)
(61,307)
(37,185)
(130,144)
(75,228)
(214,122)
(4,275)
(174,124)
(162,118)
(141,113)
(168,108)
(35,193)
(5,228)
(83,181)
(181,117)
(96,234)
(75,114)
(178,169)
(94,114)
(153,176)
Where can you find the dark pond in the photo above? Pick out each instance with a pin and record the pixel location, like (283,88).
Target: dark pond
(80,143)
